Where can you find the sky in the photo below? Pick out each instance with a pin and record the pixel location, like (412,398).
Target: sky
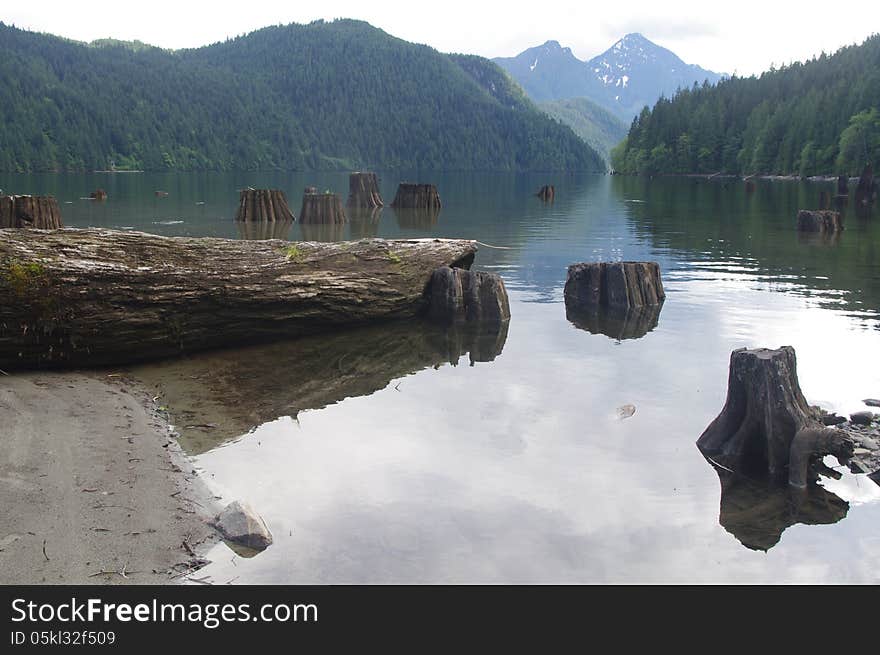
(746,37)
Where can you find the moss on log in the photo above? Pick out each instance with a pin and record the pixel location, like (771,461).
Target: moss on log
(40,212)
(105,297)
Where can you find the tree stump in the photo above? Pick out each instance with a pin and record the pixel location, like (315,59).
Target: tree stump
(310,189)
(322,209)
(263,205)
(865,190)
(99,194)
(459,295)
(621,285)
(363,191)
(39,212)
(547,193)
(819,221)
(416,196)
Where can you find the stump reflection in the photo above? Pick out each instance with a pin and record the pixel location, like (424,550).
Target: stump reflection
(262,230)
(618,323)
(417,219)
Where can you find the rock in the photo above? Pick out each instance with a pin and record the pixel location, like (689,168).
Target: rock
(625,411)
(833,419)
(862,418)
(239,523)
(457,295)
(819,221)
(871,402)
(613,284)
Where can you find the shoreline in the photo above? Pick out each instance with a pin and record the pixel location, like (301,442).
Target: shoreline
(95,490)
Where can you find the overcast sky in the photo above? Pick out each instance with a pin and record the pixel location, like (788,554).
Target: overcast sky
(744,37)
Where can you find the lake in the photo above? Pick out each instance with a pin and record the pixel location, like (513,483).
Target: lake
(403,453)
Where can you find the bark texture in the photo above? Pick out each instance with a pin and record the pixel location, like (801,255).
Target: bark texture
(99,297)
(416,196)
(457,295)
(40,212)
(819,221)
(363,191)
(613,284)
(322,209)
(259,205)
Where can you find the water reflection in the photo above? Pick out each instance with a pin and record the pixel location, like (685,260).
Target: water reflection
(615,322)
(329,232)
(757,512)
(364,221)
(417,219)
(261,230)
(218,396)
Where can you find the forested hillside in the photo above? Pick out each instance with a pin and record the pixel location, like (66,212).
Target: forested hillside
(818,117)
(601,129)
(320,96)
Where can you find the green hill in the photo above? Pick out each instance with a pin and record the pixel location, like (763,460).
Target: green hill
(332,95)
(601,129)
(818,117)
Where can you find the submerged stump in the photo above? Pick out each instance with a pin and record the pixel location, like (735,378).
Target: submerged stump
(459,295)
(416,196)
(866,192)
(547,193)
(322,209)
(621,285)
(39,212)
(766,418)
(263,205)
(363,191)
(819,221)
(98,194)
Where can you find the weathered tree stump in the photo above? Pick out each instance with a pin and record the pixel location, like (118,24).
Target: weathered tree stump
(616,323)
(865,191)
(613,284)
(98,194)
(416,196)
(105,297)
(764,411)
(547,193)
(322,209)
(363,191)
(819,221)
(459,295)
(809,447)
(263,205)
(310,189)
(39,212)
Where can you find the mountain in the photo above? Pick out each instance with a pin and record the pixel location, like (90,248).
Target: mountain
(327,95)
(631,74)
(601,129)
(818,117)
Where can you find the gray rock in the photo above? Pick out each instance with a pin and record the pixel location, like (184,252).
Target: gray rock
(833,419)
(862,418)
(871,402)
(239,523)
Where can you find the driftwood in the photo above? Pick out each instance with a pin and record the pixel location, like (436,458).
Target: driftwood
(40,212)
(764,415)
(258,205)
(613,284)
(819,221)
(547,193)
(322,209)
(416,196)
(96,297)
(457,294)
(238,389)
(363,191)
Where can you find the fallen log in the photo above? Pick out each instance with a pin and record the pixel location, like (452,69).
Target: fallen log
(39,212)
(260,205)
(100,297)
(322,209)
(416,196)
(819,221)
(363,191)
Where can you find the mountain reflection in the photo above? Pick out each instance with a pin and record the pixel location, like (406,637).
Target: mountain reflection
(217,396)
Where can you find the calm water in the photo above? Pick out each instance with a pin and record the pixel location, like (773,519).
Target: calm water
(403,453)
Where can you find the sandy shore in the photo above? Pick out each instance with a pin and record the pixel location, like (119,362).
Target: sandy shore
(92,488)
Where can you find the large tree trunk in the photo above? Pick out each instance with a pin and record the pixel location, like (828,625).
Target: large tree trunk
(40,212)
(99,297)
(363,191)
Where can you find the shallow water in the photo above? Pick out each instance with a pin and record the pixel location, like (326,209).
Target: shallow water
(374,459)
